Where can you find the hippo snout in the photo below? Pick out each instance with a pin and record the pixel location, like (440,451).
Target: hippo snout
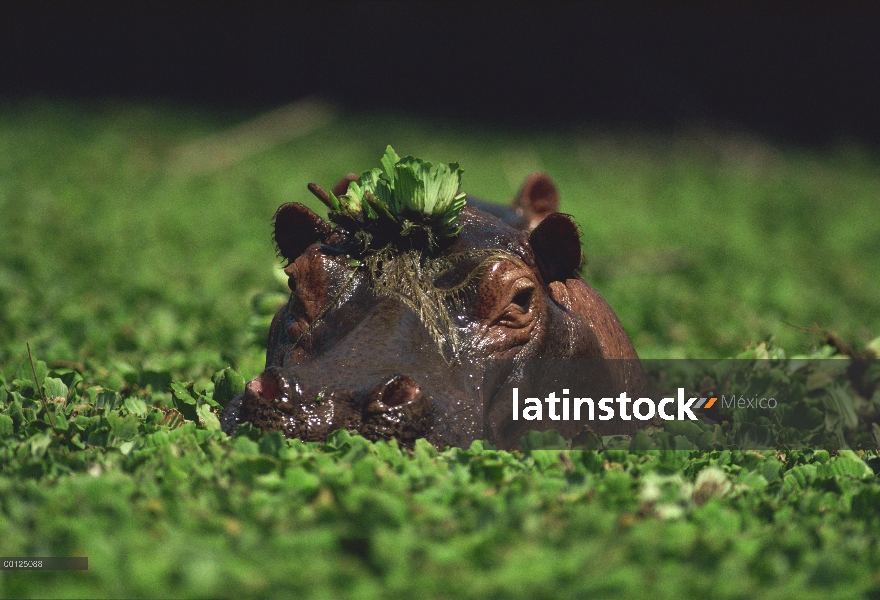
(272,385)
(386,407)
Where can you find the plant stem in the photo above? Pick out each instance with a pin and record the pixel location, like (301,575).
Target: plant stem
(39,387)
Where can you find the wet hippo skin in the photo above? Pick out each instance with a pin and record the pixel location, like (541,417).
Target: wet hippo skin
(359,348)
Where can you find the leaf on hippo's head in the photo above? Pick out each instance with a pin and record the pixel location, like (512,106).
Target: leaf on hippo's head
(409,203)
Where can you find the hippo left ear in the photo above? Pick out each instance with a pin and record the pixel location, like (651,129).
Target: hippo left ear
(556,243)
(538,198)
(297,228)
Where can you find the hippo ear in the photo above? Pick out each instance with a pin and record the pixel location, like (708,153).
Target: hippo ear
(537,199)
(342,185)
(556,244)
(297,228)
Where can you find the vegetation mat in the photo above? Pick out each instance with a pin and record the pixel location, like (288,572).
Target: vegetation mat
(136,260)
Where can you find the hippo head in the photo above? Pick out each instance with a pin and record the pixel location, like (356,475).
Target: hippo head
(394,345)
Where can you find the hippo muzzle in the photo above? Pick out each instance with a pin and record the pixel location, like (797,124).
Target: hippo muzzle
(393,407)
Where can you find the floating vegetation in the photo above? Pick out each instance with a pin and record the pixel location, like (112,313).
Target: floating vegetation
(409,204)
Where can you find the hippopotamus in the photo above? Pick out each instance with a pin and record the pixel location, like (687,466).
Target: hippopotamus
(386,358)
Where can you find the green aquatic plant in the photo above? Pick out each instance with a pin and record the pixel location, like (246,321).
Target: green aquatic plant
(409,203)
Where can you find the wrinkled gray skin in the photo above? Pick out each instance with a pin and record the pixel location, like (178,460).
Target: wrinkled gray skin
(342,356)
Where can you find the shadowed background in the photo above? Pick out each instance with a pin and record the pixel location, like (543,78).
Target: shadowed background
(806,73)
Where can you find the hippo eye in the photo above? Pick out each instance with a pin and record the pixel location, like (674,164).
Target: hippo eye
(516,314)
(523,299)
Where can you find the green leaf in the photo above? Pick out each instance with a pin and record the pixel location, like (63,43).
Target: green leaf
(59,419)
(687,429)
(802,475)
(70,377)
(850,464)
(227,385)
(838,402)
(125,428)
(135,406)
(107,399)
(184,402)
(25,373)
(157,380)
(409,190)
(640,441)
(389,159)
(303,482)
(6,425)
(207,418)
(378,206)
(40,443)
(368,182)
(334,201)
(771,469)
(450,181)
(546,440)
(273,444)
(369,201)
(54,388)
(865,503)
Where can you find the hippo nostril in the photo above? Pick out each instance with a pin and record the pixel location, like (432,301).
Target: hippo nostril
(272,385)
(399,390)
(265,386)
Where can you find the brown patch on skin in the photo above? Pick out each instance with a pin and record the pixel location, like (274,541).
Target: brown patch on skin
(310,278)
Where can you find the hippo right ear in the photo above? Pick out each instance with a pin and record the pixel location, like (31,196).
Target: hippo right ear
(538,198)
(556,244)
(297,228)
(342,185)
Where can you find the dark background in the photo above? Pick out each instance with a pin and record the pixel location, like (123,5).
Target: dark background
(800,72)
